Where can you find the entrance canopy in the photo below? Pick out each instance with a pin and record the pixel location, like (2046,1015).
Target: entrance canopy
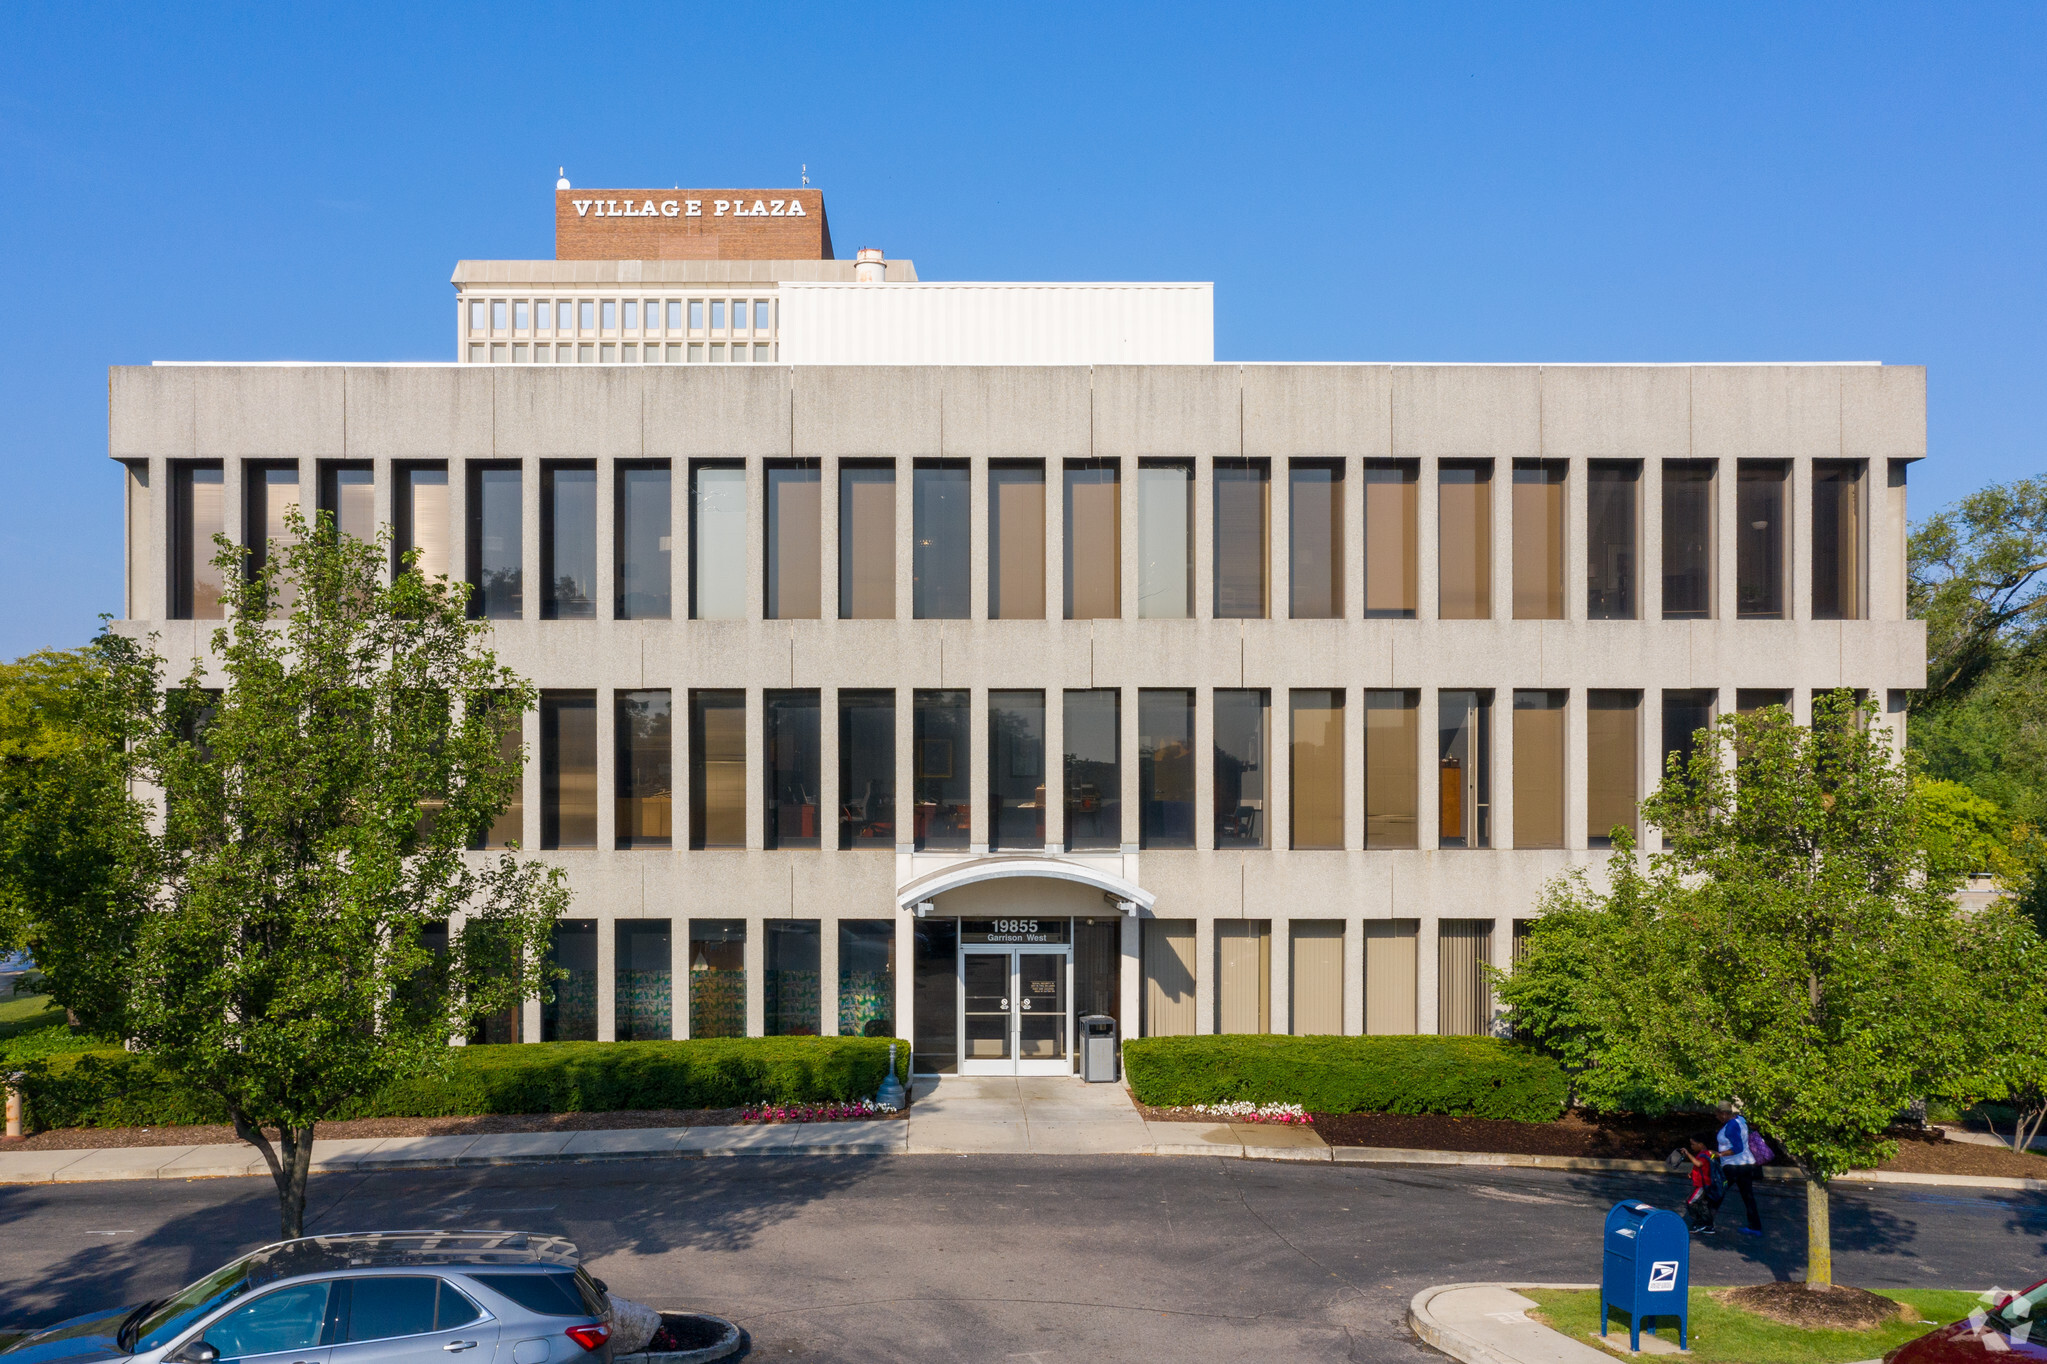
(936,883)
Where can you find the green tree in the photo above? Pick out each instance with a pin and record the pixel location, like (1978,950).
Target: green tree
(1975,579)
(317,812)
(2010,958)
(74,852)
(1793,948)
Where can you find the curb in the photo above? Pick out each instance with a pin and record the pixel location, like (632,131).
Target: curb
(1456,1343)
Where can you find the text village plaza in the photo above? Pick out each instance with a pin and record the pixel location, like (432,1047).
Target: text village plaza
(953,660)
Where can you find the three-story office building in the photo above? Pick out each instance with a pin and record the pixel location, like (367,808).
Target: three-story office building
(955,701)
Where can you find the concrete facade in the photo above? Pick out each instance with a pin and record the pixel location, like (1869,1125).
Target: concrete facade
(388,415)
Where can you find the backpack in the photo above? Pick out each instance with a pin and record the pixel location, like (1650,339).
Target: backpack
(1758,1149)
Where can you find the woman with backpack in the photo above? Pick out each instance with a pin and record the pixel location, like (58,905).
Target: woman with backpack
(1742,1151)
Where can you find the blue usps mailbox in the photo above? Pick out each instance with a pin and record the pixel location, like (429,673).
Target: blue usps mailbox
(1648,1269)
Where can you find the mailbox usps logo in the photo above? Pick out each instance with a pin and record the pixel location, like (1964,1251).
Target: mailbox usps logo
(1662,1276)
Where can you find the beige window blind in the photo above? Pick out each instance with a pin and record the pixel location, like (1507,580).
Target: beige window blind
(1464,996)
(1390,965)
(1243,954)
(1169,977)
(1315,976)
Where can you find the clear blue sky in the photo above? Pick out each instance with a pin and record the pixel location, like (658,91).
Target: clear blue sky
(1424,182)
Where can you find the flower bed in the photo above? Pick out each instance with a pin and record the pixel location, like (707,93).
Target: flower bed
(1243,1110)
(839,1112)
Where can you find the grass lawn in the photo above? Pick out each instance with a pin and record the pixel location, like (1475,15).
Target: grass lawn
(25,1013)
(1725,1335)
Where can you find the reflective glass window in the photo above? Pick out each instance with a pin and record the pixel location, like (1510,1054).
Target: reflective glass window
(1837,539)
(1315,539)
(1016,541)
(1165,767)
(568,541)
(867,541)
(1392,504)
(272,493)
(643,986)
(1242,538)
(793,772)
(1242,754)
(867,769)
(1539,539)
(1539,769)
(867,978)
(1316,754)
(1093,769)
(641,521)
(1016,769)
(717,977)
(1094,539)
(422,514)
(1392,786)
(644,768)
(568,1008)
(1464,537)
(568,769)
(1613,724)
(197,516)
(790,1003)
(939,568)
(494,538)
(348,495)
(1689,519)
(1165,540)
(1759,559)
(942,748)
(718,542)
(1612,516)
(1464,769)
(717,769)
(795,531)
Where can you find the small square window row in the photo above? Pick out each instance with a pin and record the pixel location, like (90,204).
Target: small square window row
(662,757)
(616,316)
(621,353)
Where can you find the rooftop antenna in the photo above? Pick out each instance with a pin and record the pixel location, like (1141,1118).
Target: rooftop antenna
(806,175)
(563,181)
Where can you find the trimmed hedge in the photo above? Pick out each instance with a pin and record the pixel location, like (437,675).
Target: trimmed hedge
(116,1089)
(1479,1077)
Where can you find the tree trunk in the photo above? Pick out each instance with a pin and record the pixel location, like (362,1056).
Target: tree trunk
(289,1161)
(1819,1234)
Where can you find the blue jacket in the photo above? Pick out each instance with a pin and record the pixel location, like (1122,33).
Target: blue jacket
(1733,1142)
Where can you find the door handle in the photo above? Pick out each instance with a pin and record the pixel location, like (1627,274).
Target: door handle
(455,1346)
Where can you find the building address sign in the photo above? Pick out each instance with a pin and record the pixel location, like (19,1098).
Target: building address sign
(689,208)
(1050,932)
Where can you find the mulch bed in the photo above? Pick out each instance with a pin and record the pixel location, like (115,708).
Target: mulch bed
(1575,1134)
(92,1138)
(1810,1307)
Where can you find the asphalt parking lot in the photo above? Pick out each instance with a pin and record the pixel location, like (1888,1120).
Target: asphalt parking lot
(1039,1259)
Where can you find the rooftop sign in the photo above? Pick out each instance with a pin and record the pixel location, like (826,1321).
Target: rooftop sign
(690,224)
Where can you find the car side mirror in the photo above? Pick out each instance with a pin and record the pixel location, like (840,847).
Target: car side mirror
(198,1352)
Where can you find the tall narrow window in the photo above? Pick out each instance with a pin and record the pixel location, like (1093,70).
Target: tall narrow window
(1391,975)
(1685,713)
(1612,491)
(1165,540)
(1689,518)
(1316,805)
(1539,769)
(867,541)
(1315,539)
(1392,750)
(1759,503)
(941,530)
(795,531)
(1837,540)
(793,768)
(348,495)
(717,977)
(644,762)
(568,541)
(943,743)
(642,522)
(1464,769)
(136,482)
(1094,770)
(867,978)
(422,515)
(1315,977)
(272,494)
(1750,701)
(495,515)
(935,983)
(1242,538)
(1165,767)
(509,828)
(717,769)
(717,532)
(196,517)
(1016,541)
(1539,539)
(1613,725)
(1464,519)
(1391,556)
(1242,750)
(1094,539)
(1464,991)
(867,769)
(789,994)
(1243,971)
(644,980)
(1016,769)
(568,769)
(568,1011)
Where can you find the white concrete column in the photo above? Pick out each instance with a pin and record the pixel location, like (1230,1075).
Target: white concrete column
(1726,524)
(1502,492)
(1126,767)
(458,516)
(906,976)
(979,758)
(607,978)
(607,769)
(1353,539)
(678,956)
(906,769)
(979,570)
(1798,525)
(1204,769)
(681,554)
(756,770)
(1281,976)
(756,539)
(1889,526)
(1054,767)
(1503,766)
(152,575)
(1426,1001)
(1353,767)
(1428,563)
(1649,538)
(1127,480)
(234,504)
(529,779)
(1577,769)
(1279,765)
(531,589)
(1203,538)
(607,541)
(529,1021)
(1055,539)
(1353,976)
(829,798)
(1205,950)
(756,959)
(828,538)
(1130,978)
(828,977)
(1279,538)
(383,501)
(1577,538)
(906,538)
(1428,810)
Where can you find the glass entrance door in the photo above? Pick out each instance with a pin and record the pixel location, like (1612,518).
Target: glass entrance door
(1013,1012)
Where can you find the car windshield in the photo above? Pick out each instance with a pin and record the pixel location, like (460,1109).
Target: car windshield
(181,1310)
(2028,1306)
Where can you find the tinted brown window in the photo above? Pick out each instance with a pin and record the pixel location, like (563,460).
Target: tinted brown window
(510,825)
(1685,713)
(943,746)
(568,769)
(1390,540)
(1094,539)
(1759,540)
(1837,538)
(1242,751)
(348,495)
(196,517)
(1315,539)
(717,769)
(794,531)
(271,494)
(421,507)
(1165,767)
(1539,769)
(1689,518)
(1391,739)
(867,542)
(1464,517)
(1094,769)
(644,768)
(867,769)
(1539,539)
(1612,516)
(1016,542)
(1315,808)
(1016,769)
(1242,546)
(1613,726)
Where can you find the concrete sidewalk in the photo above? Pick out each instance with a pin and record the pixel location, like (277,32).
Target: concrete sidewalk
(1054,1115)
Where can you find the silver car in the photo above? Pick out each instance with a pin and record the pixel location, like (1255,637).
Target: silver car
(387,1297)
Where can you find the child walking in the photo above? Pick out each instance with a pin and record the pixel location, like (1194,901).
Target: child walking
(1705,1194)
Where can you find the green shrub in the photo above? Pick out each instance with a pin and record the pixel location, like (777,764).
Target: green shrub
(1464,1076)
(115,1089)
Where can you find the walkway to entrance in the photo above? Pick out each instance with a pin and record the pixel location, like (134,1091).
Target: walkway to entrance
(1062,1115)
